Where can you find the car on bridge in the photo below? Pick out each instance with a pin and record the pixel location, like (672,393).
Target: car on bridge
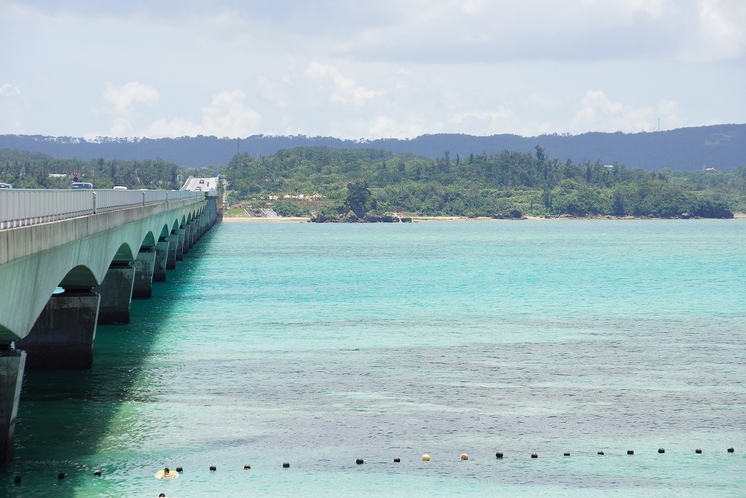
(6,185)
(78,185)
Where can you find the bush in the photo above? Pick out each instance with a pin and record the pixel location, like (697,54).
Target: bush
(287,208)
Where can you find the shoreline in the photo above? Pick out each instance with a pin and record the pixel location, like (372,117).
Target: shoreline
(248,219)
(416,219)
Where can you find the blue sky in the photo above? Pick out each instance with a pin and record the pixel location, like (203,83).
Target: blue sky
(353,69)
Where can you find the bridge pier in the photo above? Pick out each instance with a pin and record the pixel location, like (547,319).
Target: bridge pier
(116,294)
(173,240)
(144,270)
(161,260)
(198,223)
(12,363)
(62,337)
(180,245)
(187,238)
(192,233)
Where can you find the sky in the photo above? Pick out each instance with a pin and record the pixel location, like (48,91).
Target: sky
(368,69)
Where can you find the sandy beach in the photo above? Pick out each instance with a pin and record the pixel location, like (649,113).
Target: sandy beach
(247,219)
(417,219)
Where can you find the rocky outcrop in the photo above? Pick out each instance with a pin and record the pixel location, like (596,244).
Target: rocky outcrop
(353,218)
(513,214)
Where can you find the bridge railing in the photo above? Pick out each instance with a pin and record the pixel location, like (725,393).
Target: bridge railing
(111,200)
(21,207)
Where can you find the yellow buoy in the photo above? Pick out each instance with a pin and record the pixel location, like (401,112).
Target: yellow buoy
(425,457)
(464,456)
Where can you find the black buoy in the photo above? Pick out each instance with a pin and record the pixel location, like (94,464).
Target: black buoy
(179,469)
(97,473)
(212,467)
(285,465)
(359,461)
(247,467)
(61,475)
(534,455)
(499,454)
(397,460)
(630,452)
(661,450)
(567,453)
(17,479)
(698,451)
(731,449)
(600,453)
(162,495)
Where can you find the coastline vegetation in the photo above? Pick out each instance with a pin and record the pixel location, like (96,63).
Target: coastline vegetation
(330,182)
(24,169)
(480,185)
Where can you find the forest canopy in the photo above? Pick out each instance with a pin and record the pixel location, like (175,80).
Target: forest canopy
(485,185)
(379,182)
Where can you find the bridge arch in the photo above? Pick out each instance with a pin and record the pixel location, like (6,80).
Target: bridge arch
(79,276)
(125,253)
(149,241)
(82,262)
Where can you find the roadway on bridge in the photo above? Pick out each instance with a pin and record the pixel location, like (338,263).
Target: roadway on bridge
(201,184)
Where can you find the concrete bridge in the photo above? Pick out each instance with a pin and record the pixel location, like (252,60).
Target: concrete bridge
(71,259)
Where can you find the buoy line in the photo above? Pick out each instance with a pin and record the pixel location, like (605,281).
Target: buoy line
(167,473)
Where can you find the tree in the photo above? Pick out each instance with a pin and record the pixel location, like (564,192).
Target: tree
(359,199)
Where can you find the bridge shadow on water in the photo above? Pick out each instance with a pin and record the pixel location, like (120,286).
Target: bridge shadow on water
(65,417)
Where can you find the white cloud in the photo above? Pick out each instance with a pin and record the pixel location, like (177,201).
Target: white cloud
(388,127)
(123,101)
(345,90)
(122,98)
(9,91)
(385,68)
(652,8)
(599,113)
(11,108)
(226,115)
(721,29)
(502,120)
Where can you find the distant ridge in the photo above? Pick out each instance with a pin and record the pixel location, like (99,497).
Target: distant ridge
(719,146)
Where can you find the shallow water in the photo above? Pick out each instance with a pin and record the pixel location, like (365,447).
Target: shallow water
(320,344)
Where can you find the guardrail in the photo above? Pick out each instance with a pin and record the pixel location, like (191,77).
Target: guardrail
(21,207)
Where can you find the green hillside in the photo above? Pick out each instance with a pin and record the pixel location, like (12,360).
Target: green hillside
(483,185)
(313,180)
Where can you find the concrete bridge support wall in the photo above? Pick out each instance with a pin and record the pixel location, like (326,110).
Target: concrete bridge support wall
(12,363)
(192,227)
(173,241)
(185,246)
(144,270)
(161,261)
(62,337)
(116,294)
(180,245)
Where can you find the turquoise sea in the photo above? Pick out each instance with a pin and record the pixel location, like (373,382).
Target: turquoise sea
(317,345)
